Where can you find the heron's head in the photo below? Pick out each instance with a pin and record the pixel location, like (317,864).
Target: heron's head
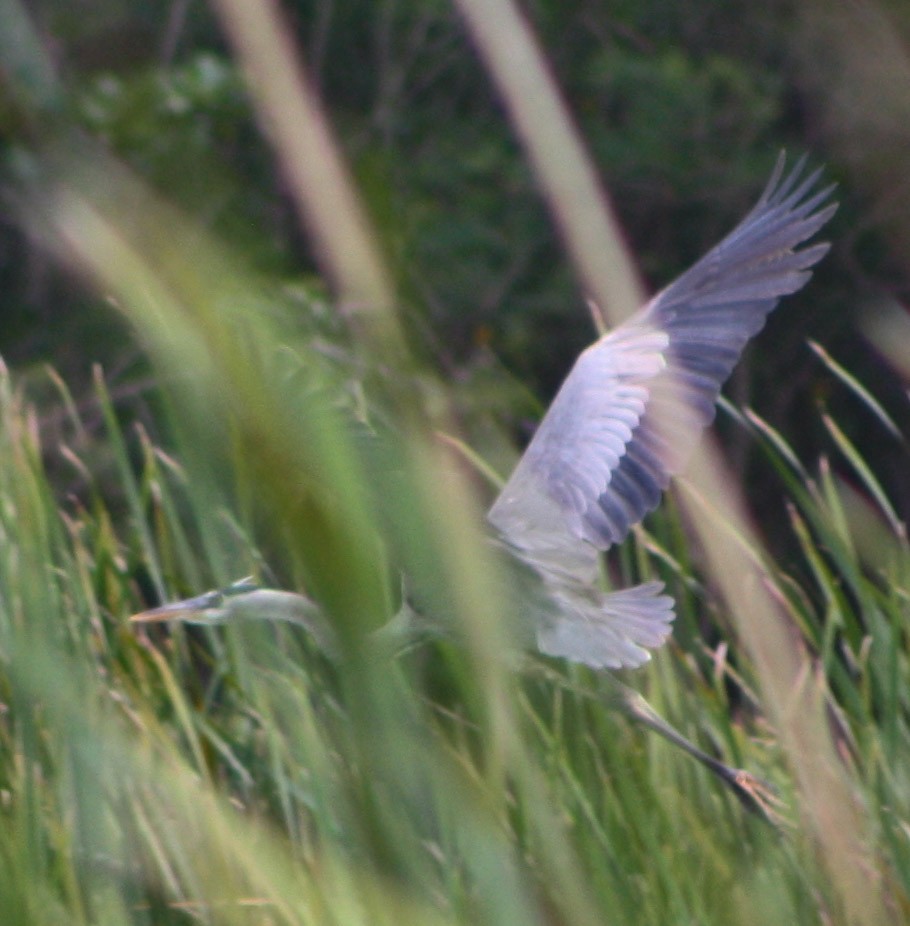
(219,606)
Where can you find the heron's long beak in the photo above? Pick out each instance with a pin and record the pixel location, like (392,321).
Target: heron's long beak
(183,610)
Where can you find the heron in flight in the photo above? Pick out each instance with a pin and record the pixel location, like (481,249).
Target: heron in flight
(622,424)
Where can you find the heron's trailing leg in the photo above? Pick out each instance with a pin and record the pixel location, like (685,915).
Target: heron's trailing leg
(755,795)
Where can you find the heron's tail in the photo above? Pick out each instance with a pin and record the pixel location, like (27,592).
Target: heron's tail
(614,632)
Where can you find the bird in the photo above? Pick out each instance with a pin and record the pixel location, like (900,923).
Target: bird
(623,423)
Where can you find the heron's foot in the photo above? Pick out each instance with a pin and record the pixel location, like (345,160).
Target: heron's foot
(757,796)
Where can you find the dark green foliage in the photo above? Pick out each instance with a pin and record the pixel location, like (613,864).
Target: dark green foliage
(684,111)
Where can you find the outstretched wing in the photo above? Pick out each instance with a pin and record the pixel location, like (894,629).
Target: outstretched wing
(636,401)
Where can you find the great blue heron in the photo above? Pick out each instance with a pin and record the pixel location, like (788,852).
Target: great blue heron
(622,424)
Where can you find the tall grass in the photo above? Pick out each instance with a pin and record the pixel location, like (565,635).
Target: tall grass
(242,775)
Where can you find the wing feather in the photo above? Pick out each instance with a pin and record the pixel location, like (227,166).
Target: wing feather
(636,401)
(579,445)
(612,630)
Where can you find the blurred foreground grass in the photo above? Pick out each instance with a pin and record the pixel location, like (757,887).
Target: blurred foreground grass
(239,776)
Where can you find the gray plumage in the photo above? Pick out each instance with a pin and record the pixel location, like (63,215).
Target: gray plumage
(628,415)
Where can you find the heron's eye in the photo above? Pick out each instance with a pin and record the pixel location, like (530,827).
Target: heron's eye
(243,587)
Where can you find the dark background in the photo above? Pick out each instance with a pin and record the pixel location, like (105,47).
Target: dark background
(684,108)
